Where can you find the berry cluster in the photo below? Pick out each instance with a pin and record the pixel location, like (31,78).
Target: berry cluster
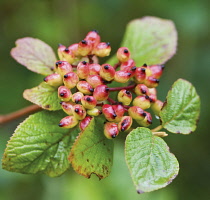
(83,86)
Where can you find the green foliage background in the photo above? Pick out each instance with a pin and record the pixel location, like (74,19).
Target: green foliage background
(67,22)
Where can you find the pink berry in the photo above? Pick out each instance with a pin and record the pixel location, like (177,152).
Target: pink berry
(136,113)
(119,111)
(68,122)
(93,37)
(64,93)
(94,69)
(53,80)
(89,102)
(101,93)
(142,102)
(111,130)
(141,89)
(84,123)
(107,72)
(84,87)
(67,107)
(140,75)
(126,66)
(77,97)
(125,97)
(123,54)
(109,112)
(83,70)
(122,76)
(63,67)
(94,80)
(70,80)
(84,48)
(79,111)
(102,49)
(125,123)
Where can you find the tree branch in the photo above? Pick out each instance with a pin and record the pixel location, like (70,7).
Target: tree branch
(15,115)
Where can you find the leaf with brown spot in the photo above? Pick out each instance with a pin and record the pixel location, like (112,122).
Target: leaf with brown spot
(43,95)
(92,152)
(34,54)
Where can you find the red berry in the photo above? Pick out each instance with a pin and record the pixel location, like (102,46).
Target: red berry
(67,55)
(84,123)
(101,92)
(125,97)
(125,123)
(84,48)
(64,93)
(119,111)
(126,66)
(102,49)
(122,76)
(84,87)
(93,37)
(146,121)
(107,72)
(68,122)
(70,80)
(157,70)
(110,130)
(74,49)
(94,69)
(77,97)
(89,102)
(61,48)
(109,112)
(141,89)
(53,80)
(67,107)
(140,75)
(151,82)
(63,67)
(94,80)
(83,70)
(123,54)
(79,112)
(136,113)
(142,102)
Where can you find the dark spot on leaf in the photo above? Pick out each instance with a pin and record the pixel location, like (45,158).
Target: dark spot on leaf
(87,160)
(140,191)
(47,106)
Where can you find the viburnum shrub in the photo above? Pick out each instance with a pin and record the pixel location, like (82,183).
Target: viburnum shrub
(86,104)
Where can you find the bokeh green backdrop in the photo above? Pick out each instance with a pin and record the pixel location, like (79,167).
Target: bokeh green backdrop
(66,22)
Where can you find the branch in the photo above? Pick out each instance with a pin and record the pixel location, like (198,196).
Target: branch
(14,115)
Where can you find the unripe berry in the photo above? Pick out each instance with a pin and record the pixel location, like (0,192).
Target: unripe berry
(77,97)
(93,37)
(84,123)
(125,123)
(101,92)
(152,98)
(109,112)
(74,49)
(136,113)
(147,121)
(67,107)
(151,82)
(119,111)
(125,97)
(147,70)
(68,56)
(84,87)
(122,76)
(83,70)
(54,80)
(157,70)
(64,93)
(70,80)
(94,112)
(156,107)
(102,49)
(140,75)
(123,54)
(110,130)
(63,67)
(79,112)
(126,66)
(141,89)
(84,48)
(89,102)
(107,72)
(142,102)
(68,122)
(94,80)
(94,69)
(61,48)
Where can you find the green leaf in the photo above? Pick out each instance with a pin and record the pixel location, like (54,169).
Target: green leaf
(44,95)
(181,110)
(151,164)
(92,153)
(39,145)
(34,54)
(150,40)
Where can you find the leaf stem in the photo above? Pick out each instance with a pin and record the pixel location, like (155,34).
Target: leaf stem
(15,115)
(156,129)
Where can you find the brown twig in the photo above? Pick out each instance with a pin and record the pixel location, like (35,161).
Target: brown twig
(14,115)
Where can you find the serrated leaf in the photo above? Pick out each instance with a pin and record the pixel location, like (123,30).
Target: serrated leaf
(181,110)
(39,145)
(34,54)
(150,40)
(92,153)
(151,164)
(44,95)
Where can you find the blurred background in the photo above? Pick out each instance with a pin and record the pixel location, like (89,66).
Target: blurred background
(66,22)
